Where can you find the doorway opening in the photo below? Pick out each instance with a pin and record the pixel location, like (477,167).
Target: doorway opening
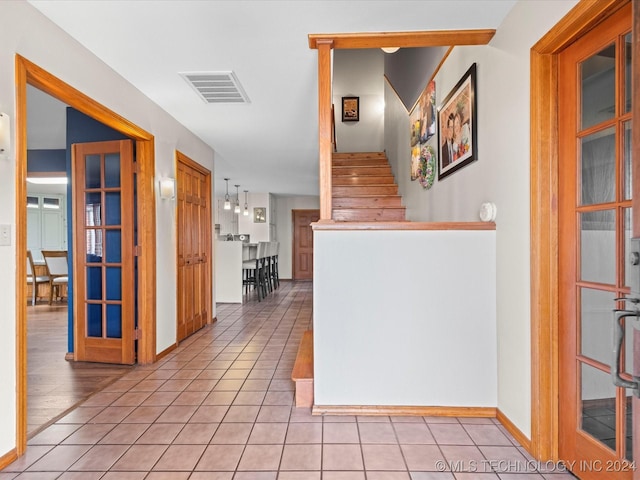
(27,73)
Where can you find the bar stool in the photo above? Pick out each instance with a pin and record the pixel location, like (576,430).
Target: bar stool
(253,272)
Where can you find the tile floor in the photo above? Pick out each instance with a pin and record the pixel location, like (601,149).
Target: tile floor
(220,407)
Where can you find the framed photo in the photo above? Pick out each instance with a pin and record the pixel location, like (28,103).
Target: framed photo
(350,109)
(259,215)
(457,126)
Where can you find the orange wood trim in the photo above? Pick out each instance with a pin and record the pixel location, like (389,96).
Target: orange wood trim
(544,219)
(396,92)
(635,126)
(70,357)
(27,72)
(404,226)
(8,458)
(145,151)
(21,268)
(403,39)
(325,147)
(513,430)
(166,351)
(393,410)
(40,78)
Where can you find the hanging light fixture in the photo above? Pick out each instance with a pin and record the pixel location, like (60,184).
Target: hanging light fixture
(227,202)
(236,209)
(246,204)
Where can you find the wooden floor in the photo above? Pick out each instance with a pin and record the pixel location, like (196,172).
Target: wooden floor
(54,385)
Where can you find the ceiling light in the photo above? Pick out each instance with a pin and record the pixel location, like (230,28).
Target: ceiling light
(236,209)
(47,180)
(246,204)
(227,202)
(390,49)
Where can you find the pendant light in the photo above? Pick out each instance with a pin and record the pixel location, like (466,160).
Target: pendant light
(246,204)
(236,209)
(227,203)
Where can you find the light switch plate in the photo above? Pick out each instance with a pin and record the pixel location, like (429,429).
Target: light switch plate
(5,235)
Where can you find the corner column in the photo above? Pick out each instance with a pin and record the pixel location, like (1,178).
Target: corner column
(325,148)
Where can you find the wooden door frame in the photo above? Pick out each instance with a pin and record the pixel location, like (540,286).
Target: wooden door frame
(28,73)
(544,217)
(293,235)
(182,158)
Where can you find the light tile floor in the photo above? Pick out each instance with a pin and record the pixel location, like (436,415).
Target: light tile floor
(220,407)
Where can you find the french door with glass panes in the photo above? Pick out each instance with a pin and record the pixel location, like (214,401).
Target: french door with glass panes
(596,181)
(103,252)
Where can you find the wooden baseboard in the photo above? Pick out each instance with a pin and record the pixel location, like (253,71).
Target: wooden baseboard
(8,458)
(514,431)
(70,357)
(393,410)
(166,351)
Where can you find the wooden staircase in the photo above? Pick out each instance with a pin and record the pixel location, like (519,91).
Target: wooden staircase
(364,189)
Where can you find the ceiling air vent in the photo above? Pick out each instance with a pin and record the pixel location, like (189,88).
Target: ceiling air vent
(216,87)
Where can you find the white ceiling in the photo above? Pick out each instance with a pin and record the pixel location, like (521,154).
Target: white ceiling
(269,145)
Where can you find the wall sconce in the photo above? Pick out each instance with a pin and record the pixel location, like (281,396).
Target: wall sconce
(227,202)
(246,204)
(5,134)
(236,209)
(167,188)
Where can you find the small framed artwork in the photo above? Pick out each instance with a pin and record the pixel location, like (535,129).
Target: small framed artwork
(259,215)
(350,109)
(457,126)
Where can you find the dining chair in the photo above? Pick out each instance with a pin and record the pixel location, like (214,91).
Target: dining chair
(58,268)
(33,278)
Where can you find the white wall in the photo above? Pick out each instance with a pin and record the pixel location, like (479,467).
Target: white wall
(359,73)
(28,33)
(259,231)
(501,175)
(284,227)
(405,318)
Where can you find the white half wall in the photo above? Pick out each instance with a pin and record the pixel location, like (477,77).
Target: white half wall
(405,318)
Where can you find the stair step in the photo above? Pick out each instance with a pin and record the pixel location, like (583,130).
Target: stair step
(302,373)
(384,214)
(347,155)
(367,200)
(363,180)
(363,161)
(361,170)
(350,190)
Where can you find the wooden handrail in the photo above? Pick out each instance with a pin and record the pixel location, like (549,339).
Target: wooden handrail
(334,141)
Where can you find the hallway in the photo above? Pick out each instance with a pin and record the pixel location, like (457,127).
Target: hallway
(219,407)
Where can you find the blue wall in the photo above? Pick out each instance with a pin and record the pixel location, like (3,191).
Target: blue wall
(46,160)
(80,129)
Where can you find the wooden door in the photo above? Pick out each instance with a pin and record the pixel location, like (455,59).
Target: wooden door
(194,247)
(103,252)
(595,211)
(303,243)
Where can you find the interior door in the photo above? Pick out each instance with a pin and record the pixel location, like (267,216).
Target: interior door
(595,211)
(194,244)
(303,243)
(104,276)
